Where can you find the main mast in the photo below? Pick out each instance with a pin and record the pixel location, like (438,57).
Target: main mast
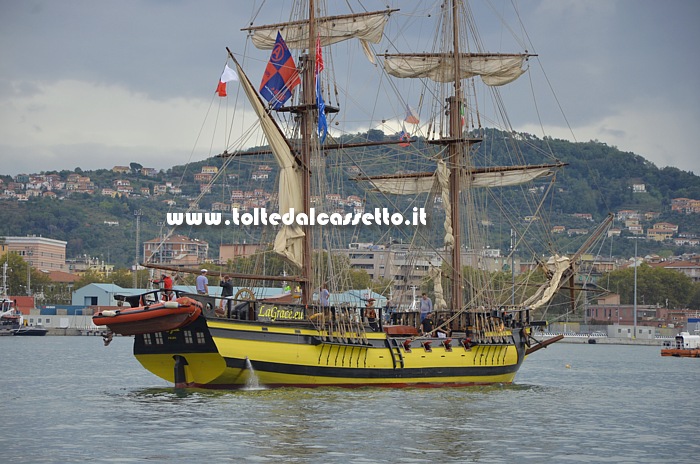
(455,149)
(309,79)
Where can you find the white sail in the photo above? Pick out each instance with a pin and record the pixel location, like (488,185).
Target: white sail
(366,27)
(494,69)
(506,177)
(404,185)
(288,241)
(414,185)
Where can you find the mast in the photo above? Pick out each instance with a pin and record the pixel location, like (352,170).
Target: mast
(455,148)
(450,67)
(306,139)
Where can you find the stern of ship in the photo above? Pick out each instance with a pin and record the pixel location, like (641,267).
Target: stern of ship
(186,356)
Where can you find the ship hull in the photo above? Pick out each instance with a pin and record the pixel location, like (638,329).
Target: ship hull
(226,354)
(681,352)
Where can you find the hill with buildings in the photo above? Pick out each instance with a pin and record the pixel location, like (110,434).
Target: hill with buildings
(95,212)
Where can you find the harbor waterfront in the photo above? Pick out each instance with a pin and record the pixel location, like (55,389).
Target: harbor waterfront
(68,400)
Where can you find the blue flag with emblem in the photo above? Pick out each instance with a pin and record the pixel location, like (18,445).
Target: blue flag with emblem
(281,75)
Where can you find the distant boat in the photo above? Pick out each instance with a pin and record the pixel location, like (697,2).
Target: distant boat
(30,330)
(9,317)
(686,346)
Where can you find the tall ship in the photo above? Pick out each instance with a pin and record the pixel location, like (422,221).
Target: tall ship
(435,170)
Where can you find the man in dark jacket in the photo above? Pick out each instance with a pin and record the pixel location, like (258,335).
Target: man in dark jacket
(226,290)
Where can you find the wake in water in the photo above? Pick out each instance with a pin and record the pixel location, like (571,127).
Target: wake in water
(253,383)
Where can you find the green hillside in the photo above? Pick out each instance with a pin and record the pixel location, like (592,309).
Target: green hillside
(597,180)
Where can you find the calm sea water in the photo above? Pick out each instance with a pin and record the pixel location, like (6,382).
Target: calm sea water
(70,399)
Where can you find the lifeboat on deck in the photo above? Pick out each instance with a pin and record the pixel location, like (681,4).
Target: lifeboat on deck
(157,317)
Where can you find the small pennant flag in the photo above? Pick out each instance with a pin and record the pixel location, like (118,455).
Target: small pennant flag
(320,104)
(227,76)
(319,56)
(411,115)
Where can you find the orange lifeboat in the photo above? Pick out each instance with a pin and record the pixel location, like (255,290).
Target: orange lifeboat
(157,317)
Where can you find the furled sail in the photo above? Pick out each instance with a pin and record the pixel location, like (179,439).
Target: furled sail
(494,69)
(288,241)
(367,27)
(414,184)
(442,174)
(557,265)
(435,274)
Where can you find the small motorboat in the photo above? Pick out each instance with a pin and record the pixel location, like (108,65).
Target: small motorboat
(686,346)
(30,331)
(159,316)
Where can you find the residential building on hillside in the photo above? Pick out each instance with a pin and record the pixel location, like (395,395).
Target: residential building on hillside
(625,214)
(203,177)
(685,205)
(659,235)
(639,188)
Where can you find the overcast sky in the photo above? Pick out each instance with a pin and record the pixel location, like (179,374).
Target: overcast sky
(94,84)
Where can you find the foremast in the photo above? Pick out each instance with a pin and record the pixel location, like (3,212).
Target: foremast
(303,35)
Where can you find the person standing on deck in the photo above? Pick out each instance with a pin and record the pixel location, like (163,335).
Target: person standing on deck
(166,284)
(226,291)
(370,315)
(324,297)
(426,307)
(202,283)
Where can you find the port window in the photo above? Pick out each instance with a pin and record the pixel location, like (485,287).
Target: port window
(159,338)
(188,337)
(147,339)
(200,338)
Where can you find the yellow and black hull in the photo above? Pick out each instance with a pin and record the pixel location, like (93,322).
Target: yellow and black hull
(224,353)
